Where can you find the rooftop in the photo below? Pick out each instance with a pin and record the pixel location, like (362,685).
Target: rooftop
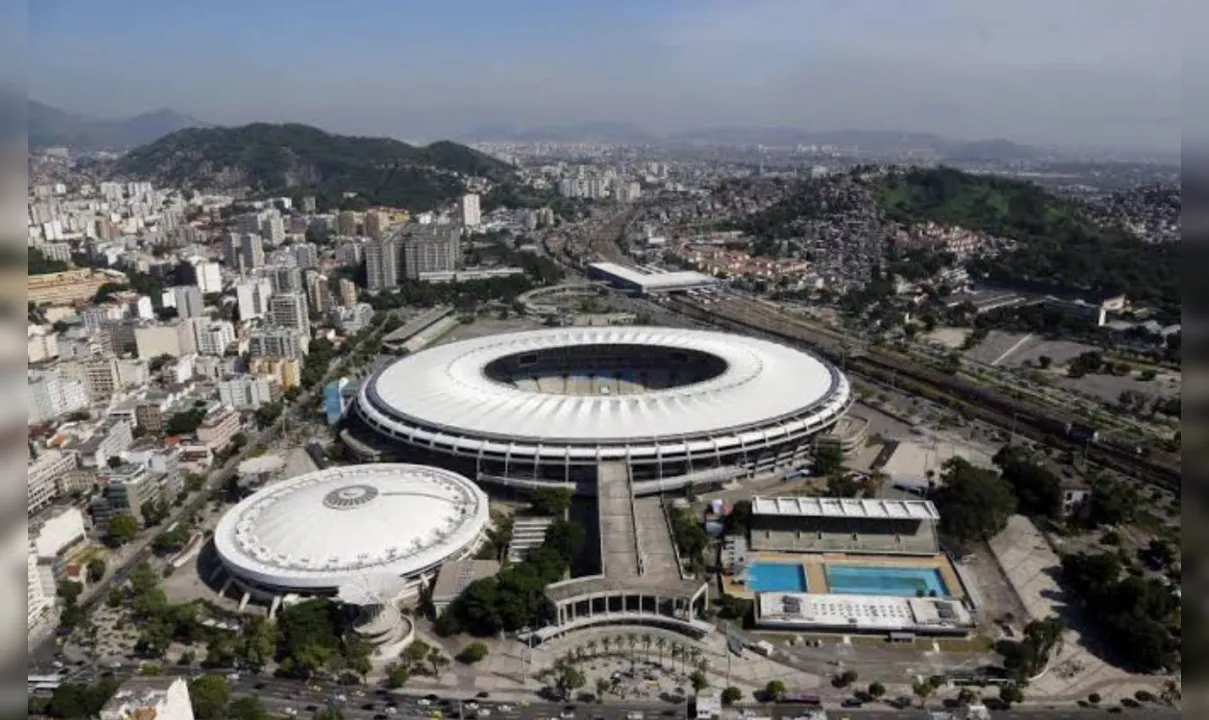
(845,508)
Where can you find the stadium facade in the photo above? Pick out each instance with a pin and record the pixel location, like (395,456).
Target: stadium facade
(548,407)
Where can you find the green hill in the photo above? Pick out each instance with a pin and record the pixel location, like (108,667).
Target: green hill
(1059,247)
(296,160)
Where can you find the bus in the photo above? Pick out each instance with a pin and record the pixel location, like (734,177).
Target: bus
(802,698)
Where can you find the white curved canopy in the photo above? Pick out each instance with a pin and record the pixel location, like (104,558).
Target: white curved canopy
(445,388)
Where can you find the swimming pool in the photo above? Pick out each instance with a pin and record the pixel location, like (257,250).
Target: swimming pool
(884,580)
(776,577)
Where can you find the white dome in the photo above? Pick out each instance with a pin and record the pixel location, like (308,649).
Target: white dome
(325,529)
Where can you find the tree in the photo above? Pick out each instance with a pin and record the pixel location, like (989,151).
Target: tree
(123,528)
(1010,694)
(554,501)
(974,503)
(775,691)
(876,690)
(417,652)
(923,690)
(828,460)
(437,660)
(1112,503)
(698,680)
(210,695)
(69,590)
(268,413)
(567,679)
(731,695)
(1031,655)
(248,707)
(473,653)
(1038,491)
(114,462)
(847,677)
(1045,361)
(397,676)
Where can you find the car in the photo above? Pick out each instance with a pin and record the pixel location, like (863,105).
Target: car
(291,712)
(390,710)
(431,697)
(470,705)
(423,702)
(380,716)
(634,715)
(851,703)
(258,686)
(483,694)
(233,677)
(367,706)
(505,708)
(484,712)
(392,704)
(312,708)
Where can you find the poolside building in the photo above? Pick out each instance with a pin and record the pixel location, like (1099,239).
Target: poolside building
(849,565)
(807,524)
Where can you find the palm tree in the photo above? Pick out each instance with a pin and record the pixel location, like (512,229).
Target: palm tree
(592,648)
(605,642)
(675,654)
(632,641)
(660,643)
(602,687)
(695,654)
(646,645)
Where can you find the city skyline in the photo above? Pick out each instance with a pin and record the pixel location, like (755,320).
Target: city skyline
(1075,74)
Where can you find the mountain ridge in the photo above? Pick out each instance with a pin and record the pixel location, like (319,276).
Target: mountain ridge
(295,159)
(49,126)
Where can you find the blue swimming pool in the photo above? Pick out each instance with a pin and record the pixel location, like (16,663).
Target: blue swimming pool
(776,577)
(884,580)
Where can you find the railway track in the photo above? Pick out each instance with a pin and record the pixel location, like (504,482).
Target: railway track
(972,398)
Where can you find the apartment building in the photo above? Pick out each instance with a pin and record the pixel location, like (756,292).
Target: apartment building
(150,698)
(278,342)
(347,290)
(382,264)
(175,338)
(431,251)
(98,374)
(50,396)
(318,292)
(286,371)
(219,429)
(42,477)
(69,286)
(248,392)
(289,310)
(252,297)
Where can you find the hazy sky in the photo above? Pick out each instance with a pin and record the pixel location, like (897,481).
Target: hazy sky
(1068,72)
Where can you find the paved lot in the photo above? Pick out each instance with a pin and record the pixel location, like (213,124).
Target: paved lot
(1033,569)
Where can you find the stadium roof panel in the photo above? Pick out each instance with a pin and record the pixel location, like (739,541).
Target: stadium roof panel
(444,388)
(870,508)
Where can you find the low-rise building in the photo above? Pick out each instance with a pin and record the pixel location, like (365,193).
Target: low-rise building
(150,698)
(219,429)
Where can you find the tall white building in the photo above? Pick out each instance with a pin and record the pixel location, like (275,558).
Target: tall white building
(306,255)
(289,310)
(43,343)
(187,299)
(50,396)
(272,227)
(246,392)
(284,278)
(40,600)
(42,477)
(382,264)
(278,343)
(206,275)
(253,298)
(214,338)
(472,215)
(251,252)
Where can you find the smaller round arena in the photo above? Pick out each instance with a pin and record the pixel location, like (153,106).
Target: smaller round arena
(312,534)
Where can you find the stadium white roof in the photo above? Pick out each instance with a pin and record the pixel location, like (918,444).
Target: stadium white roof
(652,281)
(445,388)
(845,508)
(335,527)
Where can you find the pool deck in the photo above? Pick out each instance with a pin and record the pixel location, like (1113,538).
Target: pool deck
(814,566)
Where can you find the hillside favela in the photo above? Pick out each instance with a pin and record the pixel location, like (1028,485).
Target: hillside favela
(404,370)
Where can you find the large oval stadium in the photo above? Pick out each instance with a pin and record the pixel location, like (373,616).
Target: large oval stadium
(315,533)
(679,407)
